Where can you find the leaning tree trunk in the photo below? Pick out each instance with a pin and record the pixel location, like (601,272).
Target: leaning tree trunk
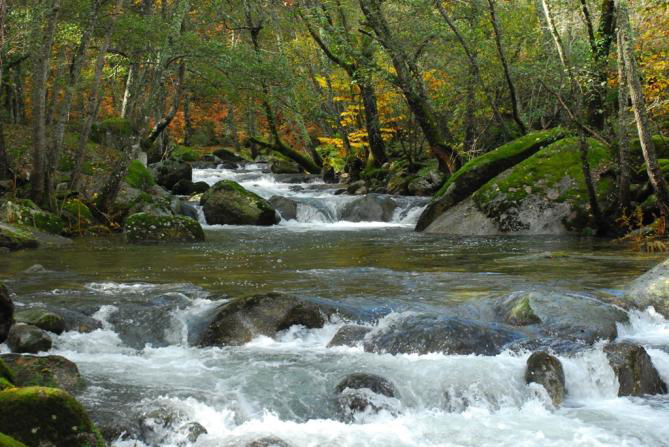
(640,111)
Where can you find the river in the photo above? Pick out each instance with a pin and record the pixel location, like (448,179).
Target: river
(152,300)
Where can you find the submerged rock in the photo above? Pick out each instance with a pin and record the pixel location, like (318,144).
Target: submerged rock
(240,320)
(268,441)
(370,208)
(424,334)
(546,370)
(361,391)
(227,203)
(349,335)
(635,371)
(6,313)
(157,425)
(650,289)
(566,316)
(41,318)
(143,227)
(50,371)
(24,338)
(48,417)
(286,207)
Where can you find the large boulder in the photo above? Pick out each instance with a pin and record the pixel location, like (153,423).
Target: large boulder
(41,318)
(650,289)
(635,371)
(572,317)
(480,170)
(546,370)
(228,203)
(424,334)
(6,313)
(228,155)
(370,208)
(544,194)
(286,207)
(143,227)
(186,187)
(26,213)
(361,391)
(51,371)
(15,238)
(168,172)
(268,441)
(284,167)
(46,417)
(240,320)
(24,338)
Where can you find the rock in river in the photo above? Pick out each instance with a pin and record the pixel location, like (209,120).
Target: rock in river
(24,338)
(228,203)
(370,208)
(424,333)
(546,370)
(144,227)
(361,392)
(42,318)
(651,289)
(51,371)
(635,371)
(240,320)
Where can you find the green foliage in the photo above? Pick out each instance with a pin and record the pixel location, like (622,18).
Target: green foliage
(6,441)
(139,176)
(185,153)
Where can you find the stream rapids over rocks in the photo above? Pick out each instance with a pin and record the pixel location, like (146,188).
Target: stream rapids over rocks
(150,383)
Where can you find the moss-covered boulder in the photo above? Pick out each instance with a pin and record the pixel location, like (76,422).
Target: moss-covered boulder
(139,176)
(51,371)
(6,376)
(545,194)
(46,417)
(26,213)
(6,313)
(41,318)
(144,227)
(240,320)
(76,213)
(168,172)
(228,203)
(480,170)
(16,238)
(6,441)
(113,132)
(284,167)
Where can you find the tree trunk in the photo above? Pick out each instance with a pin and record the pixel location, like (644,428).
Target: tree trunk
(624,177)
(188,124)
(409,79)
(505,66)
(640,111)
(45,36)
(5,166)
(600,222)
(165,121)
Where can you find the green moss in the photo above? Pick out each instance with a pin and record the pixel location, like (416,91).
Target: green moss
(5,372)
(27,214)
(116,125)
(145,227)
(660,142)
(527,144)
(41,318)
(185,153)
(521,313)
(45,416)
(6,441)
(16,238)
(139,176)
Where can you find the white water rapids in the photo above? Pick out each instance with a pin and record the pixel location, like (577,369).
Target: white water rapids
(285,387)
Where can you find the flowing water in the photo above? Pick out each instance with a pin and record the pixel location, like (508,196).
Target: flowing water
(152,302)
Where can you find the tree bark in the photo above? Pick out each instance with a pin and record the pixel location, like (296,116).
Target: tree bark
(639,107)
(5,166)
(624,176)
(45,36)
(505,66)
(411,83)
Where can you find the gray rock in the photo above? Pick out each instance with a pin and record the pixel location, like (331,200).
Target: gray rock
(566,316)
(650,289)
(635,371)
(361,391)
(6,313)
(169,172)
(349,335)
(228,203)
(242,319)
(424,334)
(286,207)
(42,318)
(24,338)
(284,167)
(546,370)
(268,441)
(370,208)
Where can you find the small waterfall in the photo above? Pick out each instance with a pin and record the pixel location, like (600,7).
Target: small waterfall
(317,203)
